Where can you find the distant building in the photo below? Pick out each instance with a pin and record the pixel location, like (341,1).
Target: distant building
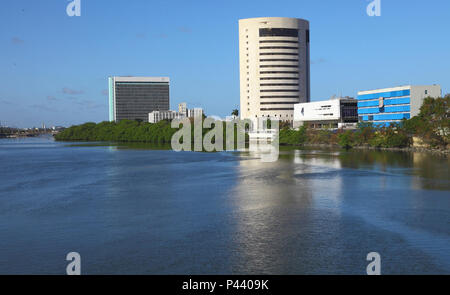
(195,112)
(156,116)
(183,111)
(133,98)
(388,105)
(182,108)
(333,113)
(274,63)
(231,118)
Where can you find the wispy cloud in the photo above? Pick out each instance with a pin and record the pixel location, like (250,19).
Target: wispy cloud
(67,90)
(4,101)
(43,107)
(184,29)
(17,41)
(89,104)
(51,98)
(318,61)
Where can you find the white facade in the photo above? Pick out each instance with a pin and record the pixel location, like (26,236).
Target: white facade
(317,111)
(274,66)
(195,112)
(182,108)
(156,116)
(333,113)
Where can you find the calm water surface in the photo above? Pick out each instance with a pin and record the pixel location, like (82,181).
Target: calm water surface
(136,210)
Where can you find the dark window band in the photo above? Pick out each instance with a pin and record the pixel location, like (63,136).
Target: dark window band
(280,102)
(279,59)
(279,96)
(278,41)
(279,90)
(278,72)
(281,32)
(278,84)
(278,66)
(279,78)
(278,53)
(276,109)
(277,47)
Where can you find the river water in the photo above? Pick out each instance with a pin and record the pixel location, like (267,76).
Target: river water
(141,210)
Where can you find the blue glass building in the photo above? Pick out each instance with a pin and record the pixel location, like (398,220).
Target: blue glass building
(385,106)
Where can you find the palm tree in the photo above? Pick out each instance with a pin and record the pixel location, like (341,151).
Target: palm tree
(235,112)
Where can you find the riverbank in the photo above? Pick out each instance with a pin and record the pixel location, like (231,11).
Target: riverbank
(365,137)
(427,132)
(437,151)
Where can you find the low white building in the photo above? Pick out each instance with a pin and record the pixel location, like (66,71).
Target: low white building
(333,113)
(156,116)
(183,111)
(195,112)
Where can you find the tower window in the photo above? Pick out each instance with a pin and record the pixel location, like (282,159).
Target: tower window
(282,32)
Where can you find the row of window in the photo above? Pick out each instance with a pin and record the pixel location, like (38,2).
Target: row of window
(279,90)
(279,78)
(279,84)
(280,102)
(279,96)
(280,32)
(279,59)
(276,109)
(127,84)
(278,41)
(393,109)
(394,101)
(279,53)
(277,47)
(388,94)
(278,66)
(278,72)
(386,117)
(268,116)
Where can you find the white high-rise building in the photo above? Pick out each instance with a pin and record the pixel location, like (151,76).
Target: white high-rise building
(182,108)
(274,66)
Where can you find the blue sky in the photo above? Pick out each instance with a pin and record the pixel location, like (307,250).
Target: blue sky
(54,68)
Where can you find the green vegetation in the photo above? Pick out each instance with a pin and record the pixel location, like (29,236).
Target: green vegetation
(432,126)
(124,131)
(131,131)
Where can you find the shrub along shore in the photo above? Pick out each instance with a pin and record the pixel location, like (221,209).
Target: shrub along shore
(431,128)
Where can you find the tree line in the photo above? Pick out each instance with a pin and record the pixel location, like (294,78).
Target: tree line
(432,126)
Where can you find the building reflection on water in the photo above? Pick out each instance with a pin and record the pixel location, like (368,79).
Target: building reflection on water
(291,215)
(276,207)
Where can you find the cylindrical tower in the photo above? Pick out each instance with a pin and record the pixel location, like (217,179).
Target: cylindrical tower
(274,66)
